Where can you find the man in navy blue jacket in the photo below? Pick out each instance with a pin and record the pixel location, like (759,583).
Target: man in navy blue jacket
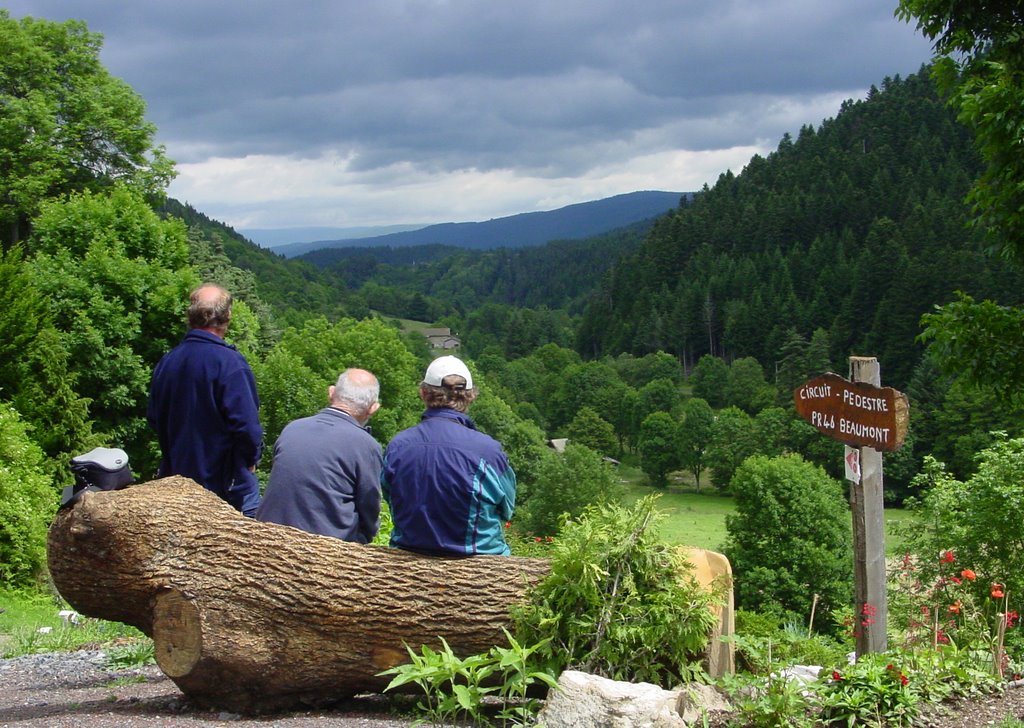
(450,487)
(204,408)
(326,473)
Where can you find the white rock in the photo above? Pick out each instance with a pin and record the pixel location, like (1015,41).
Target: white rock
(589,701)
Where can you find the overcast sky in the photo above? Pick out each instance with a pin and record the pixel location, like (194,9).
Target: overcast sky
(380,112)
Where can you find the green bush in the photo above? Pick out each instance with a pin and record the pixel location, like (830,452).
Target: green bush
(566,483)
(980,521)
(617,602)
(789,538)
(28,501)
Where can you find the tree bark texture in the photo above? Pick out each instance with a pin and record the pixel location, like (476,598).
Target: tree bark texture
(251,616)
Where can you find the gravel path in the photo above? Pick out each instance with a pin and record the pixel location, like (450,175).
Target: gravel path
(77,689)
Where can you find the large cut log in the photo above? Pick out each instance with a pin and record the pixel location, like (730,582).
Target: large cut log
(252,616)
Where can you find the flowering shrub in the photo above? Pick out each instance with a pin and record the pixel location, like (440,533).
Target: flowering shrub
(946,604)
(874,691)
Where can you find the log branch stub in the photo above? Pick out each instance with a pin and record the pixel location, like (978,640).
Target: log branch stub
(251,616)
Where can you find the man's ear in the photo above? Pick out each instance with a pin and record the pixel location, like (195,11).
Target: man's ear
(330,393)
(373,409)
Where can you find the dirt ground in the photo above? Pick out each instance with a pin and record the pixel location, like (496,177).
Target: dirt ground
(75,690)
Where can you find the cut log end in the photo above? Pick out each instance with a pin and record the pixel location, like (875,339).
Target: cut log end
(177,634)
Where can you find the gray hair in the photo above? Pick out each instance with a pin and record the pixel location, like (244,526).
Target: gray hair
(357,388)
(209,307)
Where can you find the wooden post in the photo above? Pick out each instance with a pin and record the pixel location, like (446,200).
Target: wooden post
(867,504)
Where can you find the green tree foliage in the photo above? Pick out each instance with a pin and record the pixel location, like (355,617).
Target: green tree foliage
(116,279)
(34,372)
(307,360)
(981,68)
(522,440)
(789,538)
(659,447)
(617,602)
(590,430)
(293,289)
(981,519)
(710,380)
(287,390)
(27,503)
(566,484)
(591,384)
(695,434)
(980,341)
(658,395)
(68,125)
(733,440)
(746,387)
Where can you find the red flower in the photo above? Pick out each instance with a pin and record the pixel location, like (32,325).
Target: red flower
(955,579)
(508,524)
(1011,618)
(955,607)
(538,539)
(903,679)
(947,557)
(968,574)
(836,675)
(997,591)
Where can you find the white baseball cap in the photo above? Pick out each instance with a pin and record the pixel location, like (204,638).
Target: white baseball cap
(444,366)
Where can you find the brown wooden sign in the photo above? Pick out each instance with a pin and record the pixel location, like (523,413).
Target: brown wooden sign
(855,413)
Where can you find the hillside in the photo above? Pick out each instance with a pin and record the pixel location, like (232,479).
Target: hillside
(855,229)
(573,222)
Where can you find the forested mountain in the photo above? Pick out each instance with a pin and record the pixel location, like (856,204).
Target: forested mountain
(294,288)
(526,229)
(856,228)
(428,282)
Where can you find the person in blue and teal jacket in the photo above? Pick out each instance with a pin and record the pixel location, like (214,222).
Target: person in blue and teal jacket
(449,486)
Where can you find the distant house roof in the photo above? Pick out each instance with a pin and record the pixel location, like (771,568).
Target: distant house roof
(558,445)
(442,338)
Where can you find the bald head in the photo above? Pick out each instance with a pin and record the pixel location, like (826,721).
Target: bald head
(356,392)
(210,309)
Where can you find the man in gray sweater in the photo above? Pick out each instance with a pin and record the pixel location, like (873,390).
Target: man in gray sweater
(326,473)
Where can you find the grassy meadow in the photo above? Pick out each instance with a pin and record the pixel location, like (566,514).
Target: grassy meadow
(697,518)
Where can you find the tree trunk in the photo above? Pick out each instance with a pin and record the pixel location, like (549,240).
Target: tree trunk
(251,616)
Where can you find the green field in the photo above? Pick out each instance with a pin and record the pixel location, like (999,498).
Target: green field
(698,518)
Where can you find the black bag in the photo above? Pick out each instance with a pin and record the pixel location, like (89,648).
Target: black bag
(102,468)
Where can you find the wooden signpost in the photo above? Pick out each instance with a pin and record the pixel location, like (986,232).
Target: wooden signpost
(869,419)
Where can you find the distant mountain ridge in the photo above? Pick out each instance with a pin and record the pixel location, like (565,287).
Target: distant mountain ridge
(582,220)
(276,237)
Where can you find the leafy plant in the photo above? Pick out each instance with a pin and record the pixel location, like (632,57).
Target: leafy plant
(134,653)
(768,701)
(617,602)
(874,691)
(455,688)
